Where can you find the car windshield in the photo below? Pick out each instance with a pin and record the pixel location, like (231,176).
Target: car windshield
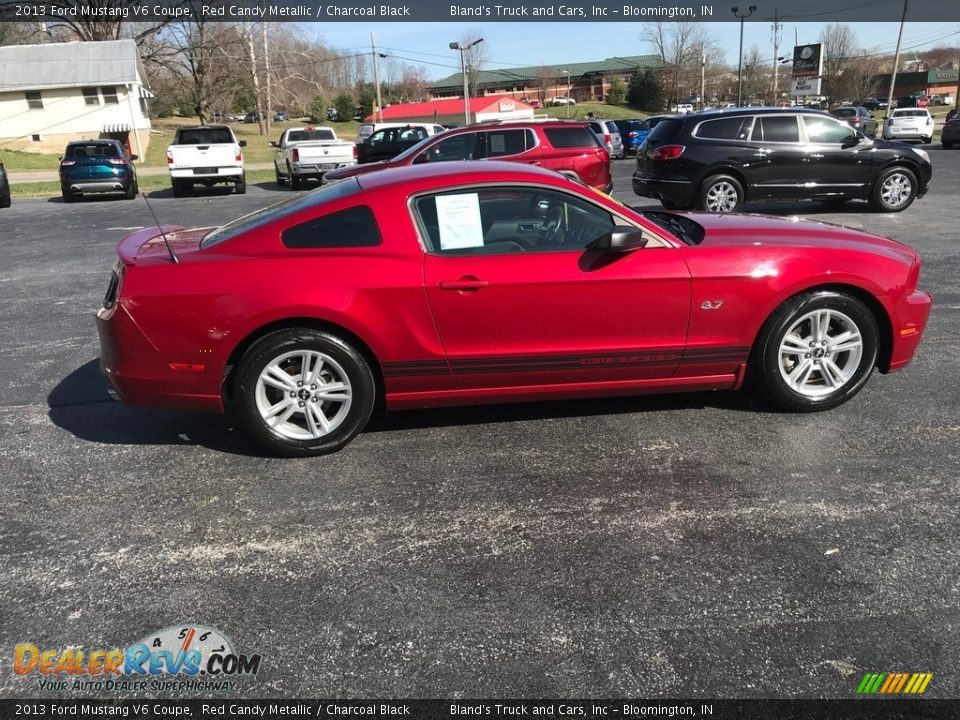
(303,135)
(92,150)
(410,151)
(279,210)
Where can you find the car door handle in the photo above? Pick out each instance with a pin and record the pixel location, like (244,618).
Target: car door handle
(464,284)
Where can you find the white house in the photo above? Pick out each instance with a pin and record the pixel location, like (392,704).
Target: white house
(54,93)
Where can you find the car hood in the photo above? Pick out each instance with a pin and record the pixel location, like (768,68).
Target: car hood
(765,230)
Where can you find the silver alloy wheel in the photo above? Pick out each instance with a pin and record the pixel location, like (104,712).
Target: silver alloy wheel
(896,189)
(303,394)
(722,197)
(820,353)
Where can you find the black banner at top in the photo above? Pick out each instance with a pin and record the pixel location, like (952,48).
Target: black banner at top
(470,11)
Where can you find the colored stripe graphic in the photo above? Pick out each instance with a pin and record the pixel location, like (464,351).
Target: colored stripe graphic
(894,683)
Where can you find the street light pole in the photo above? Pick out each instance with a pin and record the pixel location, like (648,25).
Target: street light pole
(463,71)
(736,13)
(567,104)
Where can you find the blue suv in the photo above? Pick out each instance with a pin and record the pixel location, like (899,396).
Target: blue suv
(633,133)
(97,166)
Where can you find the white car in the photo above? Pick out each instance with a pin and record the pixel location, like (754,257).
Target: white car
(562,100)
(909,124)
(682,108)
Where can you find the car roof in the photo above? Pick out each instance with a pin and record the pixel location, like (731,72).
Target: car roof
(461,171)
(95,141)
(767,110)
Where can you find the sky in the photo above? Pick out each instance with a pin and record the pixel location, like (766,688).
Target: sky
(523,44)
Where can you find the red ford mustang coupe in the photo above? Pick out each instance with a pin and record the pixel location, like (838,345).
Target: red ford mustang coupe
(470,283)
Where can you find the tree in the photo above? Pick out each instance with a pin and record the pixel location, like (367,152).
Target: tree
(846,75)
(318,109)
(543,80)
(680,47)
(617,94)
(366,98)
(645,91)
(754,75)
(345,107)
(475,59)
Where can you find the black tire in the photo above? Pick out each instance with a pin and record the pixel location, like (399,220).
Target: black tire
(946,145)
(340,359)
(295,182)
(891,174)
(68,197)
(767,368)
(720,186)
(240,186)
(130,192)
(281,180)
(179,189)
(675,205)
(5,200)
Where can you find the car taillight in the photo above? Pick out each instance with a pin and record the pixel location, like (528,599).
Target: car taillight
(929,121)
(855,121)
(607,139)
(295,155)
(169,157)
(67,163)
(631,134)
(356,154)
(116,161)
(239,155)
(667,152)
(113,287)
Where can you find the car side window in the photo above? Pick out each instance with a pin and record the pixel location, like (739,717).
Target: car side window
(506,220)
(776,128)
(823,130)
(500,143)
(458,147)
(352,227)
(731,128)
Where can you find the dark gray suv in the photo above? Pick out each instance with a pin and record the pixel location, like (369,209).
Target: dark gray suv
(719,159)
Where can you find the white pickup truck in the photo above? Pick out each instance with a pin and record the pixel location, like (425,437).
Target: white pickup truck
(206,155)
(310,152)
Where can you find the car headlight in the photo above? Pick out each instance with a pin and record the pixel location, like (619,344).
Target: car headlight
(922,153)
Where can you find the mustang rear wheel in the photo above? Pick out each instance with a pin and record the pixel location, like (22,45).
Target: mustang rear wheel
(816,351)
(304,392)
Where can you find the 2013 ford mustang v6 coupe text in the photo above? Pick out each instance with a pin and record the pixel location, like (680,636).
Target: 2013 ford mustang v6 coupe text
(470,283)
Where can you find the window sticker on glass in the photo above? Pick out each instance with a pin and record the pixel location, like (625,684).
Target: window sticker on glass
(459,219)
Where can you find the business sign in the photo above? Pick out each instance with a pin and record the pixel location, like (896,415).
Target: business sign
(802,87)
(808,61)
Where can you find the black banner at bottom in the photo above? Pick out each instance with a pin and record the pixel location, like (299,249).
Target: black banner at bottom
(854,709)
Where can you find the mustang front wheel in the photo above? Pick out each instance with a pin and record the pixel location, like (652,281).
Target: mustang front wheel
(816,351)
(304,392)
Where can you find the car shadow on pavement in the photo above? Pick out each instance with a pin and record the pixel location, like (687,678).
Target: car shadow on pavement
(198,192)
(81,405)
(271,186)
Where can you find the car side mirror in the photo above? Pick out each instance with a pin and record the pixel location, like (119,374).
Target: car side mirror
(850,141)
(242,143)
(620,239)
(273,144)
(134,157)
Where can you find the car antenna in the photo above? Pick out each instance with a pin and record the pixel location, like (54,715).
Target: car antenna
(133,126)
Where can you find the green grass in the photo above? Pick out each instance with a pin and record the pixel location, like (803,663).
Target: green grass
(154,182)
(16,160)
(599,109)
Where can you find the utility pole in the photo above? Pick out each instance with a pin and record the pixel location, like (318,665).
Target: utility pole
(463,70)
(703,76)
(896,62)
(736,13)
(378,116)
(776,32)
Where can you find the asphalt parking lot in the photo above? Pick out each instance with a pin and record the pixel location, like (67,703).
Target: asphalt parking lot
(684,545)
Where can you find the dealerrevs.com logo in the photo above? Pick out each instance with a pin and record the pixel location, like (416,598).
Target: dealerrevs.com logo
(184,657)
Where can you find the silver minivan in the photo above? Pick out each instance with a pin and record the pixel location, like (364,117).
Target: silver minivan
(609,133)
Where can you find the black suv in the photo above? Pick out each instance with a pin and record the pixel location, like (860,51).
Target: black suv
(718,159)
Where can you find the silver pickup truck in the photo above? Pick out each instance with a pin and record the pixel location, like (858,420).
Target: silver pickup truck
(308,153)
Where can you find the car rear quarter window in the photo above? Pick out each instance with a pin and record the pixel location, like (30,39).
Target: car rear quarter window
(665,130)
(570,137)
(776,128)
(352,227)
(730,128)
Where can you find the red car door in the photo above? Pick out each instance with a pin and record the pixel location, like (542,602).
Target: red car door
(533,306)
